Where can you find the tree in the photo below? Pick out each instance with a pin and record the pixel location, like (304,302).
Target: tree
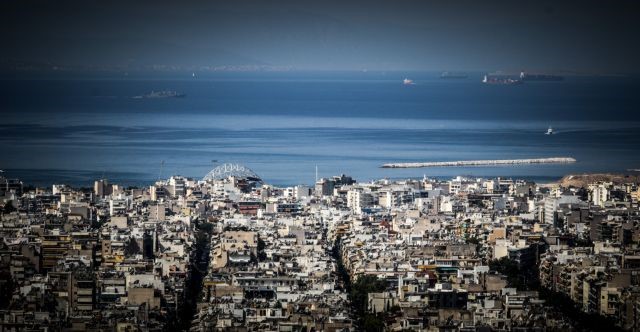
(8,207)
(521,278)
(261,254)
(360,297)
(206,227)
(510,269)
(371,322)
(7,286)
(132,247)
(359,293)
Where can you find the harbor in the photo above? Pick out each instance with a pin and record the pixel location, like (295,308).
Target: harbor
(555,160)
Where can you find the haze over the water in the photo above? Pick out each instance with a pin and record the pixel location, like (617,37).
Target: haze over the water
(586,37)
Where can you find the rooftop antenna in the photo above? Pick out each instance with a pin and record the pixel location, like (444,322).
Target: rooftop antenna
(316,173)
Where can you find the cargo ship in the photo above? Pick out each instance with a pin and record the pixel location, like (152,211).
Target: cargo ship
(161,94)
(501,80)
(450,75)
(524,76)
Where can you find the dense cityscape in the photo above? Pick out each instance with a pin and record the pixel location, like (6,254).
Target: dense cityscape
(231,253)
(477,166)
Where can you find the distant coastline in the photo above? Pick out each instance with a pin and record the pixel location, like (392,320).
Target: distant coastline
(583,180)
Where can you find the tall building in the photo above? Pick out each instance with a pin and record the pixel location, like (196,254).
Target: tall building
(455,186)
(177,186)
(157,192)
(343,180)
(301,191)
(550,208)
(102,188)
(324,187)
(358,199)
(599,194)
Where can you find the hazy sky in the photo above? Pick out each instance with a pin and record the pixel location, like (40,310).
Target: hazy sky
(589,36)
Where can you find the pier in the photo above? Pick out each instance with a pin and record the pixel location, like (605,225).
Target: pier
(557,160)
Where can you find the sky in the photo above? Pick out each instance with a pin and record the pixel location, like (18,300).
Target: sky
(585,37)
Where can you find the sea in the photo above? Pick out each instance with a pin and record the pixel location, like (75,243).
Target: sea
(75,128)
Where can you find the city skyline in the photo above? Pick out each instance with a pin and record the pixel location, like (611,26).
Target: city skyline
(319,166)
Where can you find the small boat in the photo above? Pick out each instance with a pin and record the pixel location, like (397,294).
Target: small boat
(549,131)
(407,81)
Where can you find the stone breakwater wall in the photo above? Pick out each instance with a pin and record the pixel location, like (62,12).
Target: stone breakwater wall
(557,160)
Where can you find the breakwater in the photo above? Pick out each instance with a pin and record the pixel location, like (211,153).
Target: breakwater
(557,160)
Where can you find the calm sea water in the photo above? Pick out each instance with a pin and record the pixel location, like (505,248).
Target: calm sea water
(283,125)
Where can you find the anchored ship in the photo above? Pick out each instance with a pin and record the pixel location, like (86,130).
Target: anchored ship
(450,75)
(161,94)
(539,77)
(504,80)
